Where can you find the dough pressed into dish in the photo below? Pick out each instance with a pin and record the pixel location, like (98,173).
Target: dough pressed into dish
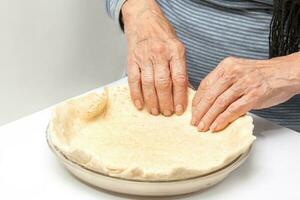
(104,132)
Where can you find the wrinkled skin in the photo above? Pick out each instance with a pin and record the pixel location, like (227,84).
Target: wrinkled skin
(237,86)
(156,59)
(158,80)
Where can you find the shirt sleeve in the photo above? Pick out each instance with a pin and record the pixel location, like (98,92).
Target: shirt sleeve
(113,8)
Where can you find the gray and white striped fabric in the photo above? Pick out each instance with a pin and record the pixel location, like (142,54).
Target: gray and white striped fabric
(214,29)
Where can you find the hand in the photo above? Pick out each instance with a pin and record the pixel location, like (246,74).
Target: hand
(238,85)
(156,59)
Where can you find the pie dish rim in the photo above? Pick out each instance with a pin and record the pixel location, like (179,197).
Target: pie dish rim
(61,156)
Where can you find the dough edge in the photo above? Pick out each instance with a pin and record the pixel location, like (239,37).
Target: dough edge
(93,162)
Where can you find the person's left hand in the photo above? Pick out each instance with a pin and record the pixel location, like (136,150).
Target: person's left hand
(237,86)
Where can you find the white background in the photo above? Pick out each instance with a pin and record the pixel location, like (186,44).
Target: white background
(54,49)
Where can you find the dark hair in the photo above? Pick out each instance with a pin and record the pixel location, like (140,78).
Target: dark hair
(284,36)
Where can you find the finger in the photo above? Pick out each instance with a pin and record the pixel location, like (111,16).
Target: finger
(148,89)
(234,111)
(220,105)
(163,86)
(205,84)
(180,84)
(207,100)
(203,87)
(134,81)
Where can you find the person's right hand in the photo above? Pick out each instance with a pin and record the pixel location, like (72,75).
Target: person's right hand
(156,66)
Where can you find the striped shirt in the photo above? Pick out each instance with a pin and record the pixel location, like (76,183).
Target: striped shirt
(215,29)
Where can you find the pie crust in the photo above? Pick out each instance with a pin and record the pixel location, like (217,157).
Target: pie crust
(104,132)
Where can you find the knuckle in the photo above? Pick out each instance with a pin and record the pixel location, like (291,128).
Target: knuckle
(196,99)
(221,102)
(227,79)
(158,48)
(226,75)
(163,81)
(133,78)
(230,66)
(198,110)
(256,93)
(208,97)
(204,84)
(237,90)
(235,109)
(180,79)
(179,47)
(147,81)
(136,54)
(221,73)
(148,97)
(232,109)
(235,69)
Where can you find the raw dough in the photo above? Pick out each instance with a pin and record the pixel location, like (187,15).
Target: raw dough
(106,133)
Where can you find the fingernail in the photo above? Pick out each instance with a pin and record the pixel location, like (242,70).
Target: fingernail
(138,104)
(201,126)
(167,112)
(179,109)
(213,127)
(193,122)
(154,111)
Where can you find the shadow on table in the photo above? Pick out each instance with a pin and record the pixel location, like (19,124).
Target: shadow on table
(263,127)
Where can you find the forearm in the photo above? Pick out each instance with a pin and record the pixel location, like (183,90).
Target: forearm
(132,10)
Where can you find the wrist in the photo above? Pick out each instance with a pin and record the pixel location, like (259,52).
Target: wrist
(292,66)
(132,10)
(297,72)
(288,71)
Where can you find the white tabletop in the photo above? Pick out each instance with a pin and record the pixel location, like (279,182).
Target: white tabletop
(29,170)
